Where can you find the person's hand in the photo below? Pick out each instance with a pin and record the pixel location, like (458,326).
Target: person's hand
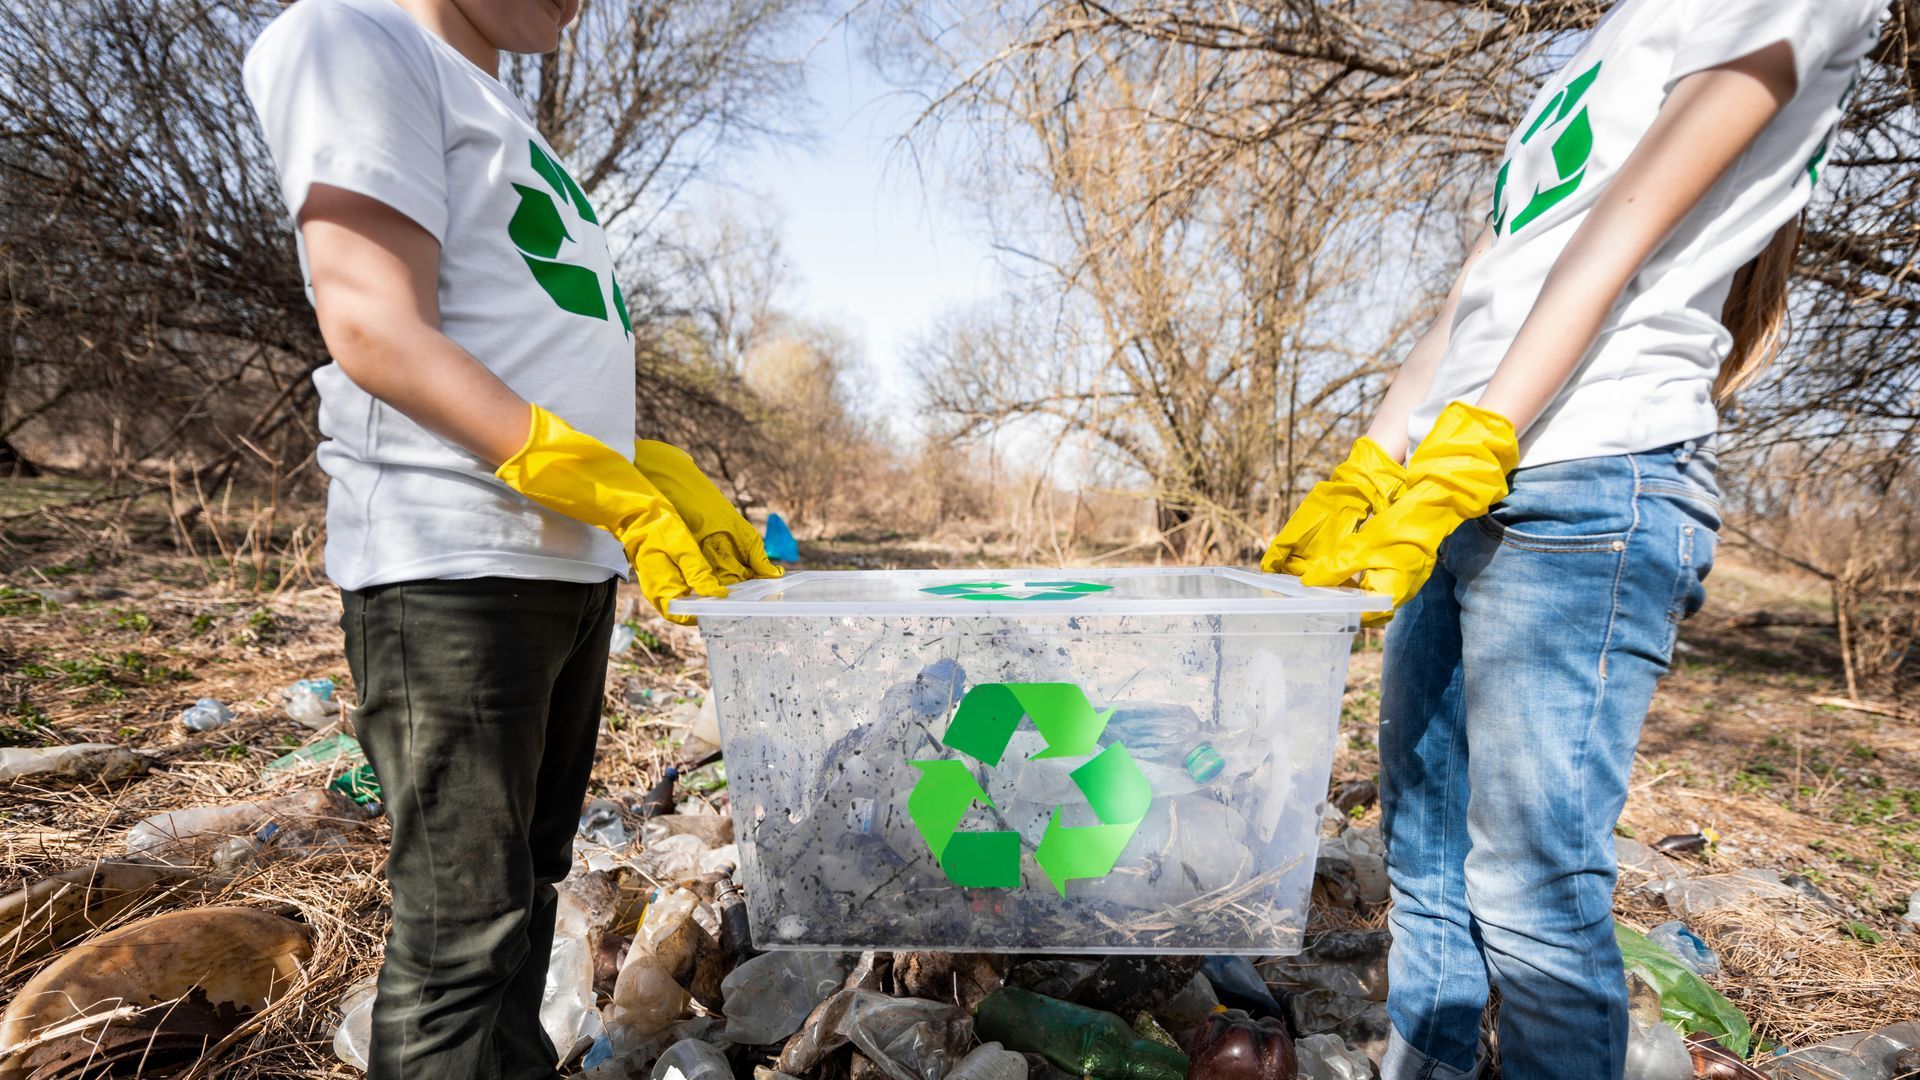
(1456,473)
(585,479)
(731,545)
(1359,487)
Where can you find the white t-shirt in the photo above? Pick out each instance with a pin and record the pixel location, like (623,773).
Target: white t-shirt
(355,94)
(1648,380)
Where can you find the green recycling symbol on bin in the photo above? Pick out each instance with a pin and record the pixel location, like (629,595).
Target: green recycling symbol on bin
(1113,785)
(995,590)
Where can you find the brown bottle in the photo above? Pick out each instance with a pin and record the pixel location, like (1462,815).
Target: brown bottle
(1231,1045)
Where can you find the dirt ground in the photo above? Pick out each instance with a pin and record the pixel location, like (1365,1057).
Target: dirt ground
(106,634)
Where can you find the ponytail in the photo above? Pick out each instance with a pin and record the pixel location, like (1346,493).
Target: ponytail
(1756,312)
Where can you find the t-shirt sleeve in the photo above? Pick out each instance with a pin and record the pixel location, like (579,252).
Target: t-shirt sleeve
(344,102)
(1721,31)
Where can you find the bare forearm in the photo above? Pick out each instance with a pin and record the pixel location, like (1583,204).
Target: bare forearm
(432,381)
(1411,382)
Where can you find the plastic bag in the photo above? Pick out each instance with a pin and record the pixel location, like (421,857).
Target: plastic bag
(1686,1001)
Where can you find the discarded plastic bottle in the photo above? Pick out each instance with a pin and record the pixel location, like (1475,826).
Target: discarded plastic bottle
(208,825)
(622,640)
(1656,1052)
(769,996)
(1328,1057)
(241,851)
(1234,1046)
(1687,947)
(601,824)
(1082,1041)
(659,798)
(695,1060)
(321,687)
(205,715)
(990,1061)
(309,702)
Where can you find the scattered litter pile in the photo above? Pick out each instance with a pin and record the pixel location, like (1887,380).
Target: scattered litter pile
(238,918)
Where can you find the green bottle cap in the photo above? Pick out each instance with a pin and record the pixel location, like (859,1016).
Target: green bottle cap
(1204,762)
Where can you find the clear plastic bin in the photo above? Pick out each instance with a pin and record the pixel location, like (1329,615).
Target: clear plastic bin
(1029,760)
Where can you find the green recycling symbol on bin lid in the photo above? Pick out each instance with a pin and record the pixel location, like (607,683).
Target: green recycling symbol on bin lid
(1114,787)
(1033,590)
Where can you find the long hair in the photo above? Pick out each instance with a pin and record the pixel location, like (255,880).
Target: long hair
(1756,311)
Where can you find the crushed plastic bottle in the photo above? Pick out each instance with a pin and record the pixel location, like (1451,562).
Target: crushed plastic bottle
(693,1060)
(938,688)
(667,930)
(1328,1057)
(1687,947)
(310,703)
(1239,985)
(1863,1055)
(1913,908)
(243,851)
(908,1038)
(989,1061)
(1079,1040)
(622,639)
(1656,1052)
(336,747)
(1234,1046)
(769,997)
(77,763)
(206,715)
(356,1024)
(203,827)
(601,823)
(567,1009)
(646,1001)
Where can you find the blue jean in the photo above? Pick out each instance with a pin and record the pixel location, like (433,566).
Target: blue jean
(1515,685)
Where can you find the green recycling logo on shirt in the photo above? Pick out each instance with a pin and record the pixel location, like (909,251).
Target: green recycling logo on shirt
(1571,147)
(538,230)
(1114,787)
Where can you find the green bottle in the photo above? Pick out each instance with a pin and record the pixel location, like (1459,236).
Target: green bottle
(1086,1042)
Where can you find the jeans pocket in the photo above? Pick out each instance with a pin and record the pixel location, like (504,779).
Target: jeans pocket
(1697,542)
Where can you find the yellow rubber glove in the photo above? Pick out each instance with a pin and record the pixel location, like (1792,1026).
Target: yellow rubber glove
(1359,487)
(1458,471)
(731,546)
(585,479)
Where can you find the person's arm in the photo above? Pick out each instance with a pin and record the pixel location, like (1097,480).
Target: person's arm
(1410,383)
(1707,122)
(376,292)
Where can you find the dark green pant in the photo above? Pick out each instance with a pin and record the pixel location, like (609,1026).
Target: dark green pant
(480,705)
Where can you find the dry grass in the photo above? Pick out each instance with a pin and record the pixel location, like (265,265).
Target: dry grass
(1733,744)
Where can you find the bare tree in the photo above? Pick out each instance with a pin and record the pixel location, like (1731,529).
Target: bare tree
(1227,198)
(153,306)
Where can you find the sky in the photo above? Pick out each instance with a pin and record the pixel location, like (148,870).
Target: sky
(869,247)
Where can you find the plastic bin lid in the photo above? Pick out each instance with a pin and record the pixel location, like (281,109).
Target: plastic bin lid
(1185,590)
